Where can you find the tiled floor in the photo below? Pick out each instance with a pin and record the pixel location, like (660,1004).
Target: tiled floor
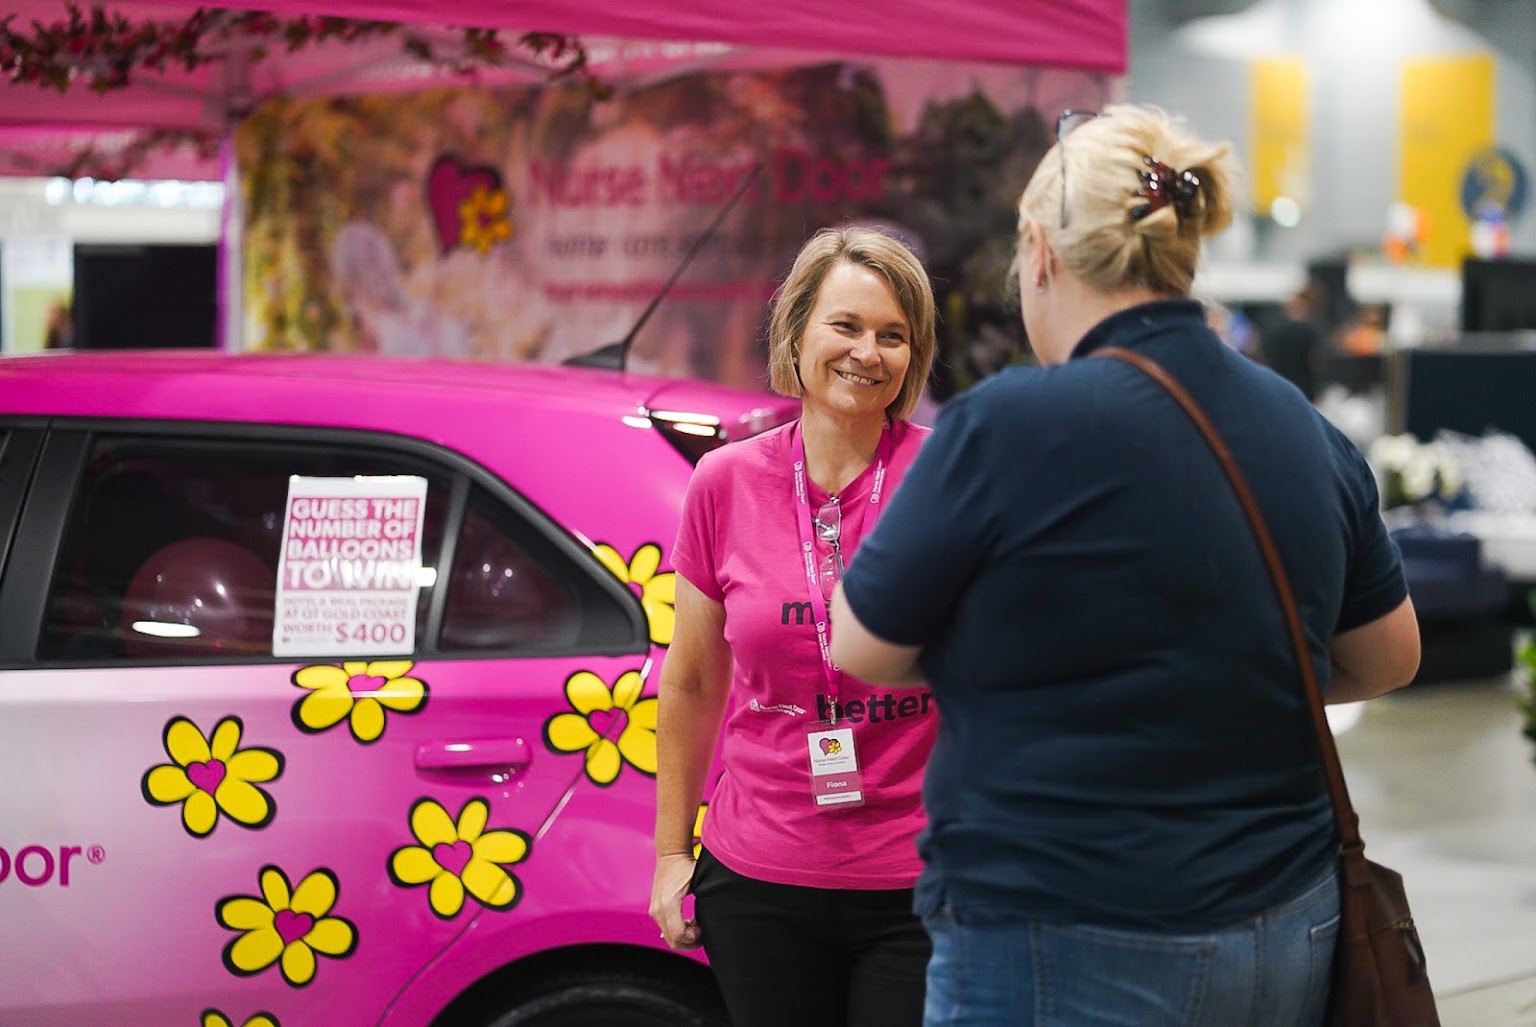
(1446,790)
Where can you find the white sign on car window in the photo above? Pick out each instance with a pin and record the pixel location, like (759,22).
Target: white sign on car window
(349,573)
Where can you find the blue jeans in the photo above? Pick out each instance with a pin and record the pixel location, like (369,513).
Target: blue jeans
(1271,971)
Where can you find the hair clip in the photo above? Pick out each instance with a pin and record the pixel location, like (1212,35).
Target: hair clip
(1161,185)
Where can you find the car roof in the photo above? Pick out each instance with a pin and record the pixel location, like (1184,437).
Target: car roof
(353,391)
(259,370)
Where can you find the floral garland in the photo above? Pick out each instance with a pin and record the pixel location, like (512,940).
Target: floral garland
(104,51)
(111,164)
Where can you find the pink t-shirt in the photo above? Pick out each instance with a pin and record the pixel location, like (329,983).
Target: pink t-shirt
(739,544)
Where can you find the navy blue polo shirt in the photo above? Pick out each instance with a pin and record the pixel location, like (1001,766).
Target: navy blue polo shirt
(1123,732)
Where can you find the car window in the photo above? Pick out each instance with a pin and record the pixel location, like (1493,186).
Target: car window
(189,532)
(511,587)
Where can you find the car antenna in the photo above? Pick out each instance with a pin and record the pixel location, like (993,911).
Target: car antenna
(615,355)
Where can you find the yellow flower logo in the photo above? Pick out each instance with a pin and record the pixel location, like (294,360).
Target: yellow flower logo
(358,693)
(285,925)
(214,1018)
(698,830)
(212,775)
(483,219)
(455,858)
(657,592)
(600,713)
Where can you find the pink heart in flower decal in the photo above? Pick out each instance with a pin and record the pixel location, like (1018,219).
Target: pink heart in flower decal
(826,746)
(206,776)
(450,186)
(292,926)
(602,721)
(363,684)
(453,858)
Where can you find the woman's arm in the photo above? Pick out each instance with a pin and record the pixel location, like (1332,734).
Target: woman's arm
(695,681)
(1375,658)
(856,650)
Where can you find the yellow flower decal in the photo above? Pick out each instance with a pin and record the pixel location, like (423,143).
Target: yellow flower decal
(483,219)
(214,1018)
(357,692)
(455,858)
(601,713)
(212,775)
(698,830)
(657,592)
(286,926)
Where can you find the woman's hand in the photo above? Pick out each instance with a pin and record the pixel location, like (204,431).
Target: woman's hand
(673,873)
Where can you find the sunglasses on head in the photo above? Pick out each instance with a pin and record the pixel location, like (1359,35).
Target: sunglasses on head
(1066,121)
(1161,185)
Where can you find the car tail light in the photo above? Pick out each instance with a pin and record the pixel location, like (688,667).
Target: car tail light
(694,434)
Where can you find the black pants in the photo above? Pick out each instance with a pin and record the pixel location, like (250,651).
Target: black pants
(787,956)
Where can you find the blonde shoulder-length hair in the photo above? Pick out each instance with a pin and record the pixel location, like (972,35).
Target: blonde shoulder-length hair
(867,248)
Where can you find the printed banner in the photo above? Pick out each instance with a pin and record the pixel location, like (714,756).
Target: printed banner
(536,223)
(1446,117)
(350,569)
(1279,125)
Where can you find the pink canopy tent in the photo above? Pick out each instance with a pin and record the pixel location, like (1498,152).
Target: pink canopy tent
(1083,34)
(629,42)
(632,44)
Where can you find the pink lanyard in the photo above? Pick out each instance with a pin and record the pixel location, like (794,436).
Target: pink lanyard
(808,544)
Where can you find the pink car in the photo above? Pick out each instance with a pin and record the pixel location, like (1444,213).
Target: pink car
(327,689)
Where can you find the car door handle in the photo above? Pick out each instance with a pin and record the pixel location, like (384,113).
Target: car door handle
(496,759)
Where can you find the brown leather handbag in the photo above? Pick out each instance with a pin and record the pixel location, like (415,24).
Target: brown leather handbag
(1379,974)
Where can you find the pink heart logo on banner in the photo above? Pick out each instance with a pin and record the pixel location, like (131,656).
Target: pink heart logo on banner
(450,184)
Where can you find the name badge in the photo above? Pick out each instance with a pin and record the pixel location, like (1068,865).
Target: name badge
(835,779)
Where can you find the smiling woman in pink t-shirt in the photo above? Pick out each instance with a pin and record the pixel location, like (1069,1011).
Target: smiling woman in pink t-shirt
(803,890)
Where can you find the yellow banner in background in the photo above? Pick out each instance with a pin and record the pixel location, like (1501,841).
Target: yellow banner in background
(1280,107)
(1446,112)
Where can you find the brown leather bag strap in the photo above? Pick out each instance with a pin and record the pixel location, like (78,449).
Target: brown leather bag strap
(1343,810)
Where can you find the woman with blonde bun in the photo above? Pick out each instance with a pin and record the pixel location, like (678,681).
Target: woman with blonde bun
(1128,820)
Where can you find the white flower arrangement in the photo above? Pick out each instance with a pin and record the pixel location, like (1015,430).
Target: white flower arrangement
(1411,471)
